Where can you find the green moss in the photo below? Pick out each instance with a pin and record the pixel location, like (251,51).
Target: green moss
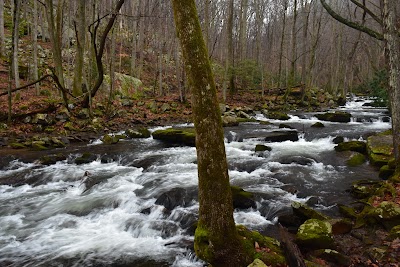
(379,160)
(110,139)
(356,160)
(260,148)
(202,245)
(17,145)
(318,125)
(315,234)
(186,136)
(306,212)
(39,145)
(357,146)
(385,172)
(246,120)
(278,116)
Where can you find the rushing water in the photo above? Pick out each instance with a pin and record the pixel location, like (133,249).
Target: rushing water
(56,221)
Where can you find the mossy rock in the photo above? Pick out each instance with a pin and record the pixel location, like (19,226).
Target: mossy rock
(356,159)
(257,263)
(348,212)
(318,125)
(380,149)
(357,146)
(278,116)
(86,157)
(261,148)
(274,256)
(305,212)
(39,145)
(69,126)
(17,145)
(380,144)
(379,160)
(52,159)
(395,232)
(280,136)
(338,116)
(56,142)
(242,199)
(385,172)
(364,188)
(229,121)
(183,136)
(110,139)
(141,132)
(315,234)
(388,213)
(282,126)
(242,120)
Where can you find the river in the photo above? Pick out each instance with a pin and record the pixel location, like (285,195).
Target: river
(55,220)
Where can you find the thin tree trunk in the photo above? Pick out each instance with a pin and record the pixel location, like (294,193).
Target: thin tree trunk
(35,45)
(282,44)
(15,39)
(244,5)
(294,46)
(216,238)
(231,70)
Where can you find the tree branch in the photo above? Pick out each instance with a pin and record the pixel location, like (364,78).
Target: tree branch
(368,11)
(27,85)
(352,24)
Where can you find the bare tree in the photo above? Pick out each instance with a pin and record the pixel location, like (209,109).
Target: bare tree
(2,35)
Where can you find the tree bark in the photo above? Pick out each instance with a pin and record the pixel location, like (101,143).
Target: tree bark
(216,238)
(392,39)
(80,29)
(2,35)
(35,45)
(230,56)
(282,44)
(15,39)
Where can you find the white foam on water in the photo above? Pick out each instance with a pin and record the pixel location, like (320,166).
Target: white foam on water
(250,219)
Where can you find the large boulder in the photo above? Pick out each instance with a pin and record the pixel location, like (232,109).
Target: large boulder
(141,132)
(173,198)
(338,116)
(305,212)
(315,234)
(229,121)
(387,213)
(280,136)
(277,116)
(242,199)
(357,146)
(183,136)
(380,149)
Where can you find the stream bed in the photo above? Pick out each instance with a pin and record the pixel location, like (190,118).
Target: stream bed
(57,220)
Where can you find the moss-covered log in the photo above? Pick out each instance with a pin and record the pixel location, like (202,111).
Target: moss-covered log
(216,238)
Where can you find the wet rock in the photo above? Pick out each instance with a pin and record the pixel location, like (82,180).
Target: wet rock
(385,172)
(290,221)
(300,160)
(110,139)
(261,148)
(173,198)
(183,136)
(315,234)
(141,132)
(57,142)
(280,136)
(348,212)
(338,139)
(355,159)
(52,159)
(364,188)
(357,146)
(332,256)
(318,125)
(277,116)
(229,121)
(85,158)
(282,125)
(380,149)
(305,212)
(242,199)
(338,116)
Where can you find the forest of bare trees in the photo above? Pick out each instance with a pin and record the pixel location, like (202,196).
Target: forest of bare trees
(253,44)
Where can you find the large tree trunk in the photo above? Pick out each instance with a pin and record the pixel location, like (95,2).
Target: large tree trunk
(80,28)
(2,35)
(216,238)
(392,39)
